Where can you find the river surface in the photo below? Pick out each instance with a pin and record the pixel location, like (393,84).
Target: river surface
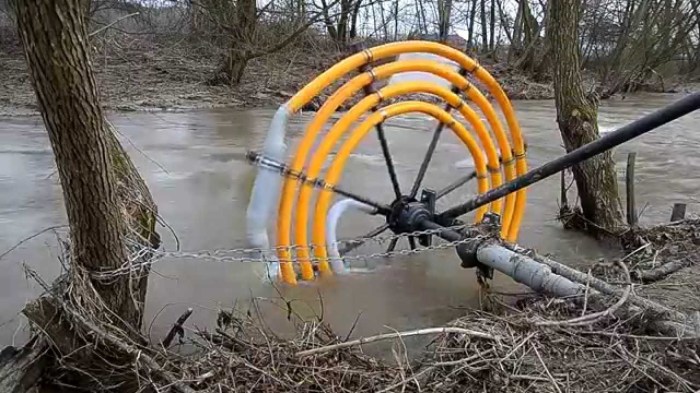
(194,164)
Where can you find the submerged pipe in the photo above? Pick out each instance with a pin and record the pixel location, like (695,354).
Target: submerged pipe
(632,130)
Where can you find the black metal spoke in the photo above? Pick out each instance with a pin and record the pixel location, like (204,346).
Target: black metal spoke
(392,244)
(426,160)
(285,170)
(368,90)
(433,144)
(374,232)
(387,158)
(455,185)
(381,208)
(412,242)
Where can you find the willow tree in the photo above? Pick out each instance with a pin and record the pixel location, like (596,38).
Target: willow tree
(105,198)
(595,178)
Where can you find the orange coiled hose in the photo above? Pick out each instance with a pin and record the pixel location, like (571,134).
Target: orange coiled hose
(512,166)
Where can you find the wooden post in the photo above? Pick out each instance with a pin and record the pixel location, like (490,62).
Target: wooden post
(678,212)
(562,185)
(631,208)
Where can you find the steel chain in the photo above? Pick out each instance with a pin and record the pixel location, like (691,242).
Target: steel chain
(136,263)
(243,255)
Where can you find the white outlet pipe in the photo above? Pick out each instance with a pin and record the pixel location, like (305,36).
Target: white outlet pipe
(334,214)
(266,190)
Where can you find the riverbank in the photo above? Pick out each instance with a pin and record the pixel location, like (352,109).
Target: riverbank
(142,75)
(515,343)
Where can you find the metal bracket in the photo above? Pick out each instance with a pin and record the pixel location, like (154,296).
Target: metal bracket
(489,228)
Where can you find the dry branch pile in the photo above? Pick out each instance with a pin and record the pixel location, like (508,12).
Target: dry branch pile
(525,345)
(666,261)
(510,351)
(531,344)
(607,356)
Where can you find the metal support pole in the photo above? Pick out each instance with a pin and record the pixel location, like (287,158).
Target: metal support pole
(630,131)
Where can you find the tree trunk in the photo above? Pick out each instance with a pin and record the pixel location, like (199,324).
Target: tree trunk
(57,50)
(484,27)
(595,178)
(353,20)
(492,27)
(396,20)
(444,14)
(345,8)
(232,68)
(330,26)
(472,20)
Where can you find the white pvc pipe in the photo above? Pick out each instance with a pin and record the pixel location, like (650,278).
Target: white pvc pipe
(527,271)
(334,214)
(265,193)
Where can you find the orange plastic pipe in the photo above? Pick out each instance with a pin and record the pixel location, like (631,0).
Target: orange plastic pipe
(329,140)
(394,49)
(336,167)
(350,88)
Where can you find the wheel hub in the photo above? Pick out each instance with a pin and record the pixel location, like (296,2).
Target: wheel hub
(407,213)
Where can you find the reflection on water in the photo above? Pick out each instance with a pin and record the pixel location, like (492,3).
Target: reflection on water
(194,164)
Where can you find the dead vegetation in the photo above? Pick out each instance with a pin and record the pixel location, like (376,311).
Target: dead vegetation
(517,343)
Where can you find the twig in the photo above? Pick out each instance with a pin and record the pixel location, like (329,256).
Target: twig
(28,238)
(585,295)
(662,271)
(592,318)
(112,24)
(177,328)
(546,370)
(405,381)
(388,336)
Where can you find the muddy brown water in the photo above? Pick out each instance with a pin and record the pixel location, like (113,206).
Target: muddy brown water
(194,164)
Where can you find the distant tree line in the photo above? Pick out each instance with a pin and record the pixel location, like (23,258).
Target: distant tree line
(624,43)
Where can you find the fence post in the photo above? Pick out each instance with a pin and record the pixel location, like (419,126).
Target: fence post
(631,208)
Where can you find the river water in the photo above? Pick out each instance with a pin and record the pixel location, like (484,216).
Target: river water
(194,164)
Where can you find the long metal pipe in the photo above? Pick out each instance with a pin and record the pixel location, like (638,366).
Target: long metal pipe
(632,130)
(543,278)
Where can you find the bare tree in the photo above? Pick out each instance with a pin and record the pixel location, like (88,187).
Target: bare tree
(57,52)
(472,20)
(341,25)
(595,178)
(250,36)
(492,26)
(444,13)
(484,26)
